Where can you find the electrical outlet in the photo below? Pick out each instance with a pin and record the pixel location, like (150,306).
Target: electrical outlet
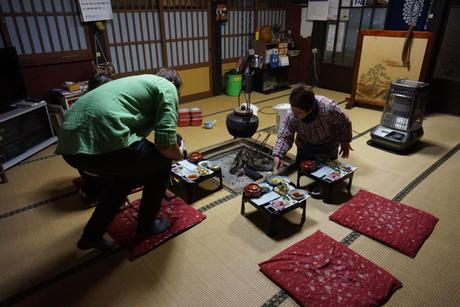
(314,50)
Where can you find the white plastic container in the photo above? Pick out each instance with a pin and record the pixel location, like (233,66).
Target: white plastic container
(281,113)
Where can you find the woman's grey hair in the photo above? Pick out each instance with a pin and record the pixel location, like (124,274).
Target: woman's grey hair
(170,75)
(97,80)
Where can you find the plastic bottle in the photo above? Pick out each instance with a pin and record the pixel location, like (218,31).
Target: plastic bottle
(290,41)
(257,33)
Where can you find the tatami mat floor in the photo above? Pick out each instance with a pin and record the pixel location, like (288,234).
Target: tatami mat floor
(215,263)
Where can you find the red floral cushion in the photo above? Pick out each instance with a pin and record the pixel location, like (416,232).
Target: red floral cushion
(399,226)
(181,216)
(319,271)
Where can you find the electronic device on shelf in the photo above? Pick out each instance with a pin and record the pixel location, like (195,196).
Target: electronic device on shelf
(25,126)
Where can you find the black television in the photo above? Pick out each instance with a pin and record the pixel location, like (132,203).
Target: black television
(12,85)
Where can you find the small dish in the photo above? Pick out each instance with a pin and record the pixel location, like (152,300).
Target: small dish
(195,157)
(345,168)
(206,163)
(282,189)
(275,180)
(252,190)
(203,171)
(209,164)
(278,204)
(308,165)
(265,189)
(193,176)
(297,194)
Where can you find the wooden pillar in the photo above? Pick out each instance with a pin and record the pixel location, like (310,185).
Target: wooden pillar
(3,178)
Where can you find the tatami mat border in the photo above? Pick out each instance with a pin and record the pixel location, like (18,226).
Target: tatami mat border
(15,298)
(426,173)
(224,187)
(363,133)
(36,205)
(217,202)
(37,159)
(276,299)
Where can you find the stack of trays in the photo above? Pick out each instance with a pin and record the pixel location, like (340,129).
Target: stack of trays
(184,117)
(196,116)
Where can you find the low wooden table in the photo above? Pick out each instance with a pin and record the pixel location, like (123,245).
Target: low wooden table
(318,176)
(192,186)
(273,215)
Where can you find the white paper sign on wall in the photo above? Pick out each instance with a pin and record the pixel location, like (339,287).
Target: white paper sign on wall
(95,10)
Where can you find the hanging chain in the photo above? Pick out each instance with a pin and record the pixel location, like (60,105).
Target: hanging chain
(97,46)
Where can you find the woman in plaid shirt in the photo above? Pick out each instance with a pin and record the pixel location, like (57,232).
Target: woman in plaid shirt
(318,126)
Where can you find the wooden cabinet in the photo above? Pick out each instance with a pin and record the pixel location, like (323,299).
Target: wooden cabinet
(267,79)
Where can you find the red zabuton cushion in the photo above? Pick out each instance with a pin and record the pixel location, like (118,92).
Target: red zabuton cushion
(319,271)
(399,226)
(181,216)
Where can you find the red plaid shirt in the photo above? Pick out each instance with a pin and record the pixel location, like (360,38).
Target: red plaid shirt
(330,126)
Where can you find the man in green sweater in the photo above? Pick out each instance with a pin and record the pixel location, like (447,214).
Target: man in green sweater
(104,133)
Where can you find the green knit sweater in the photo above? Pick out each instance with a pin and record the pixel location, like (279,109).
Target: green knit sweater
(118,113)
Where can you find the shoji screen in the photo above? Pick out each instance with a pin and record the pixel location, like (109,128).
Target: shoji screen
(144,36)
(243,17)
(134,36)
(186,33)
(44,27)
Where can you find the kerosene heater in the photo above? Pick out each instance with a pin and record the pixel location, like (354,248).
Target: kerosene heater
(402,118)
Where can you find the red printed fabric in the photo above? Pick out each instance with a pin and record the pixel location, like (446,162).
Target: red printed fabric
(394,224)
(319,271)
(181,216)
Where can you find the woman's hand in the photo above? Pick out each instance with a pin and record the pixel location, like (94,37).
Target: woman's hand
(276,162)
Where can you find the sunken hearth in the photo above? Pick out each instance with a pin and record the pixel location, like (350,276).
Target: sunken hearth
(235,156)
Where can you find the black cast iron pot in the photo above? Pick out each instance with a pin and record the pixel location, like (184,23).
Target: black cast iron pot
(242,124)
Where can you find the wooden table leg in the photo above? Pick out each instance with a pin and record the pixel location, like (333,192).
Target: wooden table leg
(271,226)
(189,193)
(242,206)
(221,184)
(329,189)
(299,173)
(304,214)
(349,183)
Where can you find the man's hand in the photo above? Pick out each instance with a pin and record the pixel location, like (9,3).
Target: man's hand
(276,163)
(345,150)
(170,152)
(182,145)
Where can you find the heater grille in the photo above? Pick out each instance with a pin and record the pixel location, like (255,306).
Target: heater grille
(401,123)
(405,105)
